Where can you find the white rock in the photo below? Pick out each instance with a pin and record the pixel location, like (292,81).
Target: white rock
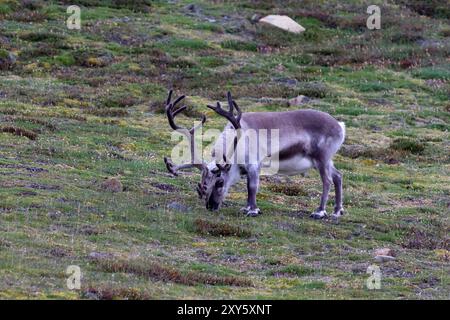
(283,22)
(100,255)
(382,258)
(299,100)
(383,252)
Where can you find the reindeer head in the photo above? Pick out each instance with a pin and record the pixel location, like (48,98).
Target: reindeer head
(214,185)
(216,178)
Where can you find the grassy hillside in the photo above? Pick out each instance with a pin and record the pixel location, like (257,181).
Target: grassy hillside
(79,107)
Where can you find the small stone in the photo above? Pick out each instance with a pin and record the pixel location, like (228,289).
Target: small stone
(176,206)
(53,214)
(100,255)
(384,252)
(112,185)
(58,252)
(359,268)
(192,8)
(392,161)
(286,81)
(383,258)
(89,230)
(298,101)
(280,67)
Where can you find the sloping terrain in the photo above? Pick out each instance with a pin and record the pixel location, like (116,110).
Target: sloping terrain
(83,135)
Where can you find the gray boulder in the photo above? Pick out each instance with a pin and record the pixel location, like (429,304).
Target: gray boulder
(298,101)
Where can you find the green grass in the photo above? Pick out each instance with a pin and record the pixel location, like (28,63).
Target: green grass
(408,145)
(94,99)
(432,73)
(239,45)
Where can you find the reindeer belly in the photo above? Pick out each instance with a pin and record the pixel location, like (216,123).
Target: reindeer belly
(295,165)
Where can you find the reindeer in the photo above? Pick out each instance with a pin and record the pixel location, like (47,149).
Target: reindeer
(307,139)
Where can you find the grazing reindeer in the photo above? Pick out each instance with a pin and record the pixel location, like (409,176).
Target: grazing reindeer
(307,139)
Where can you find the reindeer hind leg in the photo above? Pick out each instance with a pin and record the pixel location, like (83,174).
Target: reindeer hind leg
(337,181)
(325,175)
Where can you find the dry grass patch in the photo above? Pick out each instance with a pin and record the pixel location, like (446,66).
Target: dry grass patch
(397,151)
(41,122)
(159,272)
(106,292)
(19,132)
(217,229)
(409,145)
(287,189)
(419,239)
(108,112)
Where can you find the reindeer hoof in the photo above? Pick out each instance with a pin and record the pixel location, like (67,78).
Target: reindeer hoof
(244,210)
(253,212)
(338,213)
(319,215)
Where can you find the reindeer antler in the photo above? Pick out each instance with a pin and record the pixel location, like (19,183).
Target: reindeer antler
(234,120)
(229,115)
(171,114)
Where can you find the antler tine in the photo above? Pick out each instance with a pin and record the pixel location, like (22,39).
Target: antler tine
(179,110)
(233,105)
(238,110)
(171,114)
(169,98)
(178,100)
(230,102)
(173,168)
(199,125)
(229,115)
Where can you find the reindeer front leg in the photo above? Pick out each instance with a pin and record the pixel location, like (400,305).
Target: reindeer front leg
(252,189)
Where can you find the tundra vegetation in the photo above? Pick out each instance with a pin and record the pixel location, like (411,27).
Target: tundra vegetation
(83,135)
